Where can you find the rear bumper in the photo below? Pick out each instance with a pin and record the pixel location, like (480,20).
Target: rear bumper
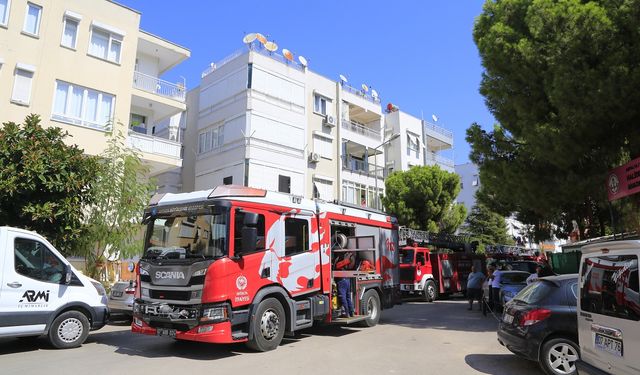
(587,369)
(120,306)
(524,346)
(217,333)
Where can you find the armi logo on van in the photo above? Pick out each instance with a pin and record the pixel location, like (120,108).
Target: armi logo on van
(33,296)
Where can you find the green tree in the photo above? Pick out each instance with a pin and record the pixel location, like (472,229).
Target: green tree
(561,78)
(121,193)
(487,227)
(422,198)
(44,182)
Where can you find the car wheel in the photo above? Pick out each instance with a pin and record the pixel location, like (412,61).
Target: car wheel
(268,326)
(69,330)
(430,291)
(558,357)
(371,307)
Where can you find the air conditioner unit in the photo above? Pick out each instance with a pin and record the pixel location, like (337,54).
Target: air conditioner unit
(314,157)
(330,121)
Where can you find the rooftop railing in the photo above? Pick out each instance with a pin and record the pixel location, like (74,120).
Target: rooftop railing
(360,93)
(257,48)
(158,86)
(361,129)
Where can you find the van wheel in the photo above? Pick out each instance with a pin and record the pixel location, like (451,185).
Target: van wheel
(558,357)
(430,291)
(69,330)
(371,307)
(268,326)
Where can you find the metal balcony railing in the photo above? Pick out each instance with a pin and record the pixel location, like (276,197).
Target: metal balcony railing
(154,145)
(360,93)
(158,86)
(439,159)
(438,129)
(361,129)
(362,167)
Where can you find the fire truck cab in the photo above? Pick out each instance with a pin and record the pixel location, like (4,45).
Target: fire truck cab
(238,264)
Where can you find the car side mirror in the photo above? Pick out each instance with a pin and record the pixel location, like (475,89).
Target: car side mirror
(131,267)
(68,274)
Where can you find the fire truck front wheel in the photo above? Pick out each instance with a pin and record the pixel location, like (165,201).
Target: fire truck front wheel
(268,325)
(430,291)
(371,307)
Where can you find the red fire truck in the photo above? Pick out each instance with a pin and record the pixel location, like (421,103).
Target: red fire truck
(432,264)
(238,264)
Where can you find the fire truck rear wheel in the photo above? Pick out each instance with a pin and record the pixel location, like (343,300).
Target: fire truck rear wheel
(371,307)
(430,291)
(268,325)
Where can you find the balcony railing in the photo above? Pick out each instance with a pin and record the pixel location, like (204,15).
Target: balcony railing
(361,129)
(154,145)
(438,129)
(360,93)
(360,166)
(439,159)
(158,86)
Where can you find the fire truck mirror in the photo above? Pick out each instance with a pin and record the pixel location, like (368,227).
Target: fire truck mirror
(250,219)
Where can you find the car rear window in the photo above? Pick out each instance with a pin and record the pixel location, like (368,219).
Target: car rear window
(523,266)
(513,278)
(534,292)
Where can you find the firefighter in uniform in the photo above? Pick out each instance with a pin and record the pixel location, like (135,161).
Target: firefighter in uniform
(344,284)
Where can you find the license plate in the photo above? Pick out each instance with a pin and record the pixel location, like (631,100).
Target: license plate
(166,332)
(609,345)
(116,294)
(507,318)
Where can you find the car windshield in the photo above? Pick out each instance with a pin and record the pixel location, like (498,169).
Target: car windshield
(406,256)
(513,278)
(534,292)
(185,236)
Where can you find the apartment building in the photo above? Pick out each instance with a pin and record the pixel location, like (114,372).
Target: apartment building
(85,66)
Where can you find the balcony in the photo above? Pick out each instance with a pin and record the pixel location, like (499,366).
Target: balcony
(446,163)
(158,86)
(360,93)
(361,129)
(438,138)
(361,167)
(162,154)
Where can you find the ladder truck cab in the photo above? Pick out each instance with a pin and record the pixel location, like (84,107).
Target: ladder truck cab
(433,264)
(238,264)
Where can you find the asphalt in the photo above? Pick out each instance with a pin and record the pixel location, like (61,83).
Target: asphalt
(413,338)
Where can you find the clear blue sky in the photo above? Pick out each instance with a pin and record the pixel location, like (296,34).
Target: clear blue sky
(418,55)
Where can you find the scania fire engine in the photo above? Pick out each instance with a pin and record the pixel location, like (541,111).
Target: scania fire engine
(238,264)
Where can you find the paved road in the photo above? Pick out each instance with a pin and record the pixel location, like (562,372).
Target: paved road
(414,338)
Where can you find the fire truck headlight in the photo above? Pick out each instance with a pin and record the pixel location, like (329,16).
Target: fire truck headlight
(145,292)
(143,271)
(213,314)
(201,272)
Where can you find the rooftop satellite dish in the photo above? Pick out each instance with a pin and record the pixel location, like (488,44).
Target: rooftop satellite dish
(343,78)
(287,54)
(271,46)
(261,38)
(365,88)
(302,60)
(249,38)
(435,118)
(374,94)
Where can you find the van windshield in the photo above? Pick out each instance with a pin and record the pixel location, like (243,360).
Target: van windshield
(183,235)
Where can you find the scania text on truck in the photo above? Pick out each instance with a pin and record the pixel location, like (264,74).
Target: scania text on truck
(237,264)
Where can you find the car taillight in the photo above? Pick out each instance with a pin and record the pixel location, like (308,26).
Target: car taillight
(130,290)
(534,316)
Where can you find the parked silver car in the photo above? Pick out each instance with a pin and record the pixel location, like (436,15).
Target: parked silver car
(121,298)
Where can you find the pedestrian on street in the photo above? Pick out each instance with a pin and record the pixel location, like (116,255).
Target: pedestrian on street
(474,287)
(495,287)
(535,276)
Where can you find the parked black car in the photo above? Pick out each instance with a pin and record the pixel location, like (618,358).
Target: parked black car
(540,324)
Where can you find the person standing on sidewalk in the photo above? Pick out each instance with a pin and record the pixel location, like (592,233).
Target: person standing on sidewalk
(474,287)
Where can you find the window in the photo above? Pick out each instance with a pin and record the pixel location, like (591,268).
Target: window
(22,86)
(475,181)
(105,45)
(413,145)
(320,104)
(34,260)
(32,20)
(610,286)
(420,258)
(4,12)
(227,180)
(284,184)
(138,122)
(69,32)
(323,146)
(324,188)
(82,106)
(360,194)
(237,230)
(296,234)
(211,139)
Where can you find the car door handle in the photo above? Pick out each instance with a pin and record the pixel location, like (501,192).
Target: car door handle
(14,284)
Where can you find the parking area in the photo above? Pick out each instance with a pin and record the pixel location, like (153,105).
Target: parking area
(416,337)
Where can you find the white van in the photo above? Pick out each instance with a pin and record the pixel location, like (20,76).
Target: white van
(609,308)
(41,293)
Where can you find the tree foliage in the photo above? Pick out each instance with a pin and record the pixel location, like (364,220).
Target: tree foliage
(487,227)
(422,198)
(561,77)
(122,191)
(44,183)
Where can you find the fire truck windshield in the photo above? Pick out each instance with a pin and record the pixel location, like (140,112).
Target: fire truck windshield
(184,236)
(406,256)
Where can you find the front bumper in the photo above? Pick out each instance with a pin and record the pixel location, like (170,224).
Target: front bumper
(100,317)
(526,345)
(217,333)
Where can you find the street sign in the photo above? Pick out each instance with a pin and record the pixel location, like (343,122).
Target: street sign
(624,180)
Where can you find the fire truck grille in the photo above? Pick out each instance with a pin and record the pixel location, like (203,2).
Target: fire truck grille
(176,295)
(406,274)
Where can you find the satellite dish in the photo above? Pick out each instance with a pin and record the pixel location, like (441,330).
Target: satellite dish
(365,88)
(287,54)
(261,38)
(343,78)
(271,46)
(435,118)
(302,60)
(249,38)
(374,94)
